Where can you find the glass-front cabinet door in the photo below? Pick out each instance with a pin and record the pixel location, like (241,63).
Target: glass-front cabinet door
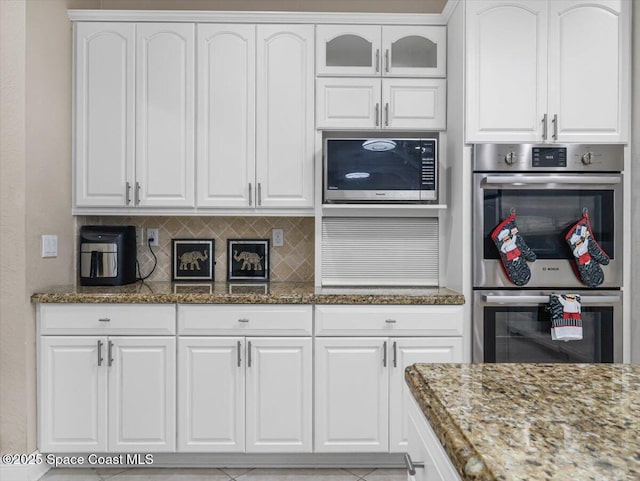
(414,51)
(351,50)
(390,51)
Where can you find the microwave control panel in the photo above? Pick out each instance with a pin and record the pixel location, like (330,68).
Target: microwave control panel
(428,160)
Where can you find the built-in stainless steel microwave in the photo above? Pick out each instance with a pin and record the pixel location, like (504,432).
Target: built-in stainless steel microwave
(380,169)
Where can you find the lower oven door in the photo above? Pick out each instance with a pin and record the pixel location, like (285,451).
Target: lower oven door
(515,326)
(546,206)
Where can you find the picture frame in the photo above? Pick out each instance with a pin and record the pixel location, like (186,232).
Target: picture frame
(248,260)
(192,259)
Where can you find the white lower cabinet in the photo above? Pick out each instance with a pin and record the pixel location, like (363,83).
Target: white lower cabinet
(425,456)
(100,394)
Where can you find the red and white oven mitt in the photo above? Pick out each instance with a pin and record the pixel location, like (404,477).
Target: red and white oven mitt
(588,254)
(514,252)
(566,317)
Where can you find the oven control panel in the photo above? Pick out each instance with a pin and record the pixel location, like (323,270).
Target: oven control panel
(548,157)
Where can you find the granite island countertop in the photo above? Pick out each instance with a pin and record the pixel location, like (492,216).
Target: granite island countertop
(246,293)
(539,422)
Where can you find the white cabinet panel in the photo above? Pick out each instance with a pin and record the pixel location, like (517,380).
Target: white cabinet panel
(585,71)
(404,353)
(506,70)
(104,115)
(285,116)
(414,104)
(211,394)
(226,115)
(352,50)
(347,103)
(141,394)
(414,51)
(351,393)
(73,394)
(279,383)
(165,90)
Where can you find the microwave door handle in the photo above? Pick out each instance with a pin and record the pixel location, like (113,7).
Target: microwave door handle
(491,299)
(520,180)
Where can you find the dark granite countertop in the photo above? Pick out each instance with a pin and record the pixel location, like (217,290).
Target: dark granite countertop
(239,293)
(539,422)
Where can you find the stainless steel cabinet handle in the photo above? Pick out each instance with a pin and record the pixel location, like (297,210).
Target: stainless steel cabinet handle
(244,319)
(249,354)
(239,354)
(377,60)
(136,194)
(395,354)
(555,126)
(518,180)
(390,321)
(489,298)
(384,353)
(104,319)
(110,353)
(250,195)
(386,114)
(411,466)
(127,193)
(100,343)
(386,60)
(544,127)
(259,193)
(377,115)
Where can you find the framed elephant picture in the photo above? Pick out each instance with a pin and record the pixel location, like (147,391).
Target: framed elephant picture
(192,259)
(247,259)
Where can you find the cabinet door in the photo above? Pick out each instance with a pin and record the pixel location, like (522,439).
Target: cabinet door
(352,50)
(226,115)
(279,383)
(211,394)
(414,104)
(410,51)
(73,394)
(104,143)
(165,114)
(351,395)
(506,70)
(587,71)
(405,352)
(348,103)
(285,116)
(142,393)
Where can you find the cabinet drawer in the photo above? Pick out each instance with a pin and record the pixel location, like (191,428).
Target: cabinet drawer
(234,320)
(389,320)
(107,319)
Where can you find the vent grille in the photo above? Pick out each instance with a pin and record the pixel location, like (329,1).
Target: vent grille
(380,251)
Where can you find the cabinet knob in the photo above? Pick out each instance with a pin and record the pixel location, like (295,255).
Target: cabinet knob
(243,320)
(104,319)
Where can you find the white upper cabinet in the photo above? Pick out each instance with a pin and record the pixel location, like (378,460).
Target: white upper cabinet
(348,103)
(226,115)
(391,51)
(587,72)
(414,104)
(104,140)
(165,100)
(285,116)
(547,71)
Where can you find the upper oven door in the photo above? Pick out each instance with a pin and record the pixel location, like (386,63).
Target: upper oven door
(546,206)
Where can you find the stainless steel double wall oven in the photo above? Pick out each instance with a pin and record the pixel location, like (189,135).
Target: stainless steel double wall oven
(549,187)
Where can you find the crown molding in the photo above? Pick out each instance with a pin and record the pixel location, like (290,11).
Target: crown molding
(448,10)
(194,16)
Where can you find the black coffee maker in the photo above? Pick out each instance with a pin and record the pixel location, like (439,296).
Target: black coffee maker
(107,255)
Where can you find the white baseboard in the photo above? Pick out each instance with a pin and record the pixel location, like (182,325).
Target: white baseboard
(23,472)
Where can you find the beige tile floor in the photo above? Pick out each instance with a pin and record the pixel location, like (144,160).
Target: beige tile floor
(225,474)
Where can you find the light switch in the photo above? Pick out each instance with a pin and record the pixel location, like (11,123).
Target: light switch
(49,246)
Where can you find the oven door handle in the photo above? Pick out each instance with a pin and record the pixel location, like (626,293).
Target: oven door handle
(550,179)
(491,299)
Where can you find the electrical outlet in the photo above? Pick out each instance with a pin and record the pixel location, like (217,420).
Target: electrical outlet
(278,237)
(49,246)
(153,237)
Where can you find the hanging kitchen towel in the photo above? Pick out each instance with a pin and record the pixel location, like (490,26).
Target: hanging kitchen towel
(566,317)
(513,250)
(588,254)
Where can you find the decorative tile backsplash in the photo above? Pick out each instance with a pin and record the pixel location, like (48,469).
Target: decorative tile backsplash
(293,262)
